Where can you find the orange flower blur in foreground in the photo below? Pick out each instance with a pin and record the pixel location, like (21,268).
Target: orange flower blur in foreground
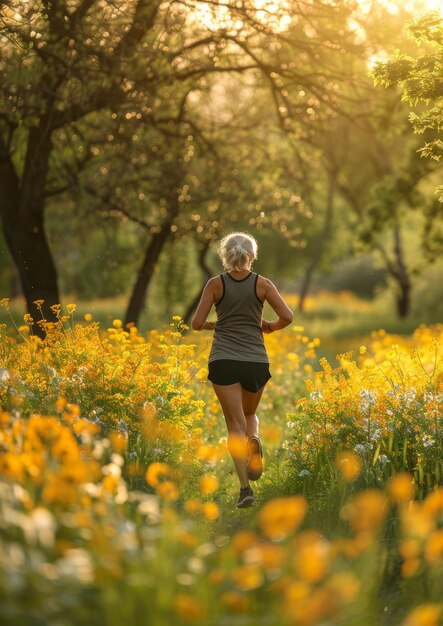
(401,487)
(349,465)
(424,615)
(157,472)
(312,556)
(279,518)
(208,484)
(365,511)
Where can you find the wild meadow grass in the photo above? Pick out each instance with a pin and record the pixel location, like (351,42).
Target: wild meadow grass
(117,494)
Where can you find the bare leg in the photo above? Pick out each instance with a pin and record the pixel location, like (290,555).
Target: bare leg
(230,398)
(254,464)
(250,403)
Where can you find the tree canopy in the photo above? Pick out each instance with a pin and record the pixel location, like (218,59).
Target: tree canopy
(180,120)
(421,81)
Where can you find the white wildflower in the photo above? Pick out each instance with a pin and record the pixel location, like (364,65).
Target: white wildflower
(185,579)
(376,434)
(316,395)
(4,375)
(383,459)
(149,505)
(360,449)
(428,441)
(368,400)
(205,549)
(76,563)
(44,526)
(93,490)
(196,565)
(112,469)
(122,427)
(409,395)
(117,459)
(304,473)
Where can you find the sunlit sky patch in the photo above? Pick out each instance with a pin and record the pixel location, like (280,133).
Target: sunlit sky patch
(276,13)
(272,13)
(393,6)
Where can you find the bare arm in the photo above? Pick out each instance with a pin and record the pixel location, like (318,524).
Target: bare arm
(279,306)
(199,321)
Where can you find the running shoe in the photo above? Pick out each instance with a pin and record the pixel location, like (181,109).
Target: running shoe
(246,498)
(254,464)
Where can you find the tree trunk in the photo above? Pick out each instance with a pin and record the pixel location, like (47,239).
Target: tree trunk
(319,244)
(15,286)
(403,300)
(146,272)
(206,275)
(22,209)
(402,276)
(30,251)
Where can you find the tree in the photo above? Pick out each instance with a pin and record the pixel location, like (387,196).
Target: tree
(72,71)
(58,65)
(421,80)
(374,166)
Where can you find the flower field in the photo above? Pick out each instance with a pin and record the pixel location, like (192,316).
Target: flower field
(117,494)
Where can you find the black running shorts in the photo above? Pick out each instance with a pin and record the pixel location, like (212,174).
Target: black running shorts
(251,376)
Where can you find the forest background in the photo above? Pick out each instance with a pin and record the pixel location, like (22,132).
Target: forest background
(134,134)
(133,137)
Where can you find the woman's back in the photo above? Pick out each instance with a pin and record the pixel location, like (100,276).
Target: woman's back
(238,334)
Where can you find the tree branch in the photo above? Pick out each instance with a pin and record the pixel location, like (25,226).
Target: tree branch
(79,13)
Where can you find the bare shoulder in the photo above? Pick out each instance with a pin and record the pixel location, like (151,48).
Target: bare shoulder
(212,282)
(265,281)
(266,290)
(264,286)
(214,286)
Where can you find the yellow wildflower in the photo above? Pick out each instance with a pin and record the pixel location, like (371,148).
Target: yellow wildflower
(434,546)
(210,511)
(312,556)
(349,465)
(188,608)
(365,511)
(156,472)
(208,484)
(247,577)
(424,615)
(192,506)
(168,490)
(235,602)
(401,487)
(278,518)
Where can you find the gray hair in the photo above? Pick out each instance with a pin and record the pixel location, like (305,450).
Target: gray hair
(237,251)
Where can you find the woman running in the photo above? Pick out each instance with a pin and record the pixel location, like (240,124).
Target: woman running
(238,361)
